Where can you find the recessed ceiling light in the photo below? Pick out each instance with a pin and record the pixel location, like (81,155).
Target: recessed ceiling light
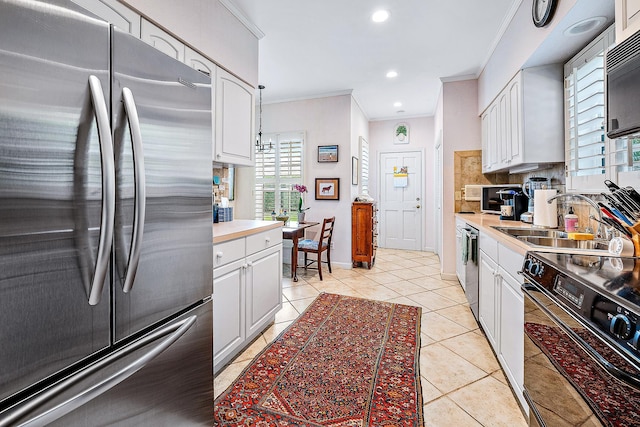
(397,104)
(380,16)
(391,74)
(585,26)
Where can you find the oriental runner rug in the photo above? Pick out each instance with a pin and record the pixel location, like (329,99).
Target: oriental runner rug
(616,404)
(345,362)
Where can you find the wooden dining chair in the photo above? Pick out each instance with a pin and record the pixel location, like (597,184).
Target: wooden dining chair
(318,246)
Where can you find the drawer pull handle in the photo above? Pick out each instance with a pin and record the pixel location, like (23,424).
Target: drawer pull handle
(219,254)
(268,240)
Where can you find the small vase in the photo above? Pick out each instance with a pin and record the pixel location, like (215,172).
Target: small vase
(301,217)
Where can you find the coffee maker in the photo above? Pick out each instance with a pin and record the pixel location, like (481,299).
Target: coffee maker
(529,188)
(514,204)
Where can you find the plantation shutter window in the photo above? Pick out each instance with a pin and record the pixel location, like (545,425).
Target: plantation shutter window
(277,171)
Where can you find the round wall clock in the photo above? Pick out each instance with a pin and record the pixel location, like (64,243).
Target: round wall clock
(542,11)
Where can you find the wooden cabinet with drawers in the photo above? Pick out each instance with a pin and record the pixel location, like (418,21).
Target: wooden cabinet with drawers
(364,233)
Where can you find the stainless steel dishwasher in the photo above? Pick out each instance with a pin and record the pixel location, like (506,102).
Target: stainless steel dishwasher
(470,260)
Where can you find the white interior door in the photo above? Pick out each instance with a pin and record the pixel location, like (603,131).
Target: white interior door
(401,219)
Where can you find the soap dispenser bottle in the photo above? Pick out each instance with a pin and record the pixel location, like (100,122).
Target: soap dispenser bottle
(570,221)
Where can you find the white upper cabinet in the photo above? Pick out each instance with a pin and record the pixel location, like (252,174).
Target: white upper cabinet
(161,40)
(114,12)
(200,63)
(523,127)
(627,18)
(235,117)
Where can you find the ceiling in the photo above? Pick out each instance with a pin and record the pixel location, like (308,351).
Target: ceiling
(329,47)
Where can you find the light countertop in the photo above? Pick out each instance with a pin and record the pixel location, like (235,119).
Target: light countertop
(223,231)
(486,222)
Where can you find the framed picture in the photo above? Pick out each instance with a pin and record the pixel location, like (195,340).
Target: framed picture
(327,153)
(327,188)
(401,133)
(354,171)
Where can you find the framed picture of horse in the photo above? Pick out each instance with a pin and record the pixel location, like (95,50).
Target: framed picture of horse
(327,188)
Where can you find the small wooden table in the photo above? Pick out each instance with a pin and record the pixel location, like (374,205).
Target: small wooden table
(294,231)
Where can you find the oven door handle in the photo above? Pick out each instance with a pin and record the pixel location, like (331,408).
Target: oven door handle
(613,370)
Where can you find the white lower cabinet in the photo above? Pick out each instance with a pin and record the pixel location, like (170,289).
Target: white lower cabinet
(488,298)
(228,310)
(247,291)
(501,308)
(263,288)
(511,354)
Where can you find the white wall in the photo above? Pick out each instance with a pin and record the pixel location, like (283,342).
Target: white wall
(209,27)
(325,121)
(519,42)
(421,134)
(461,130)
(359,128)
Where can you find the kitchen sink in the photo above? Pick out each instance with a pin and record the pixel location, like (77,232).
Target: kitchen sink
(557,242)
(553,239)
(532,232)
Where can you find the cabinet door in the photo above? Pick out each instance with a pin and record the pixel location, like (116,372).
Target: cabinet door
(161,40)
(488,298)
(235,114)
(627,18)
(492,142)
(514,140)
(199,62)
(511,353)
(485,142)
(504,147)
(228,310)
(114,12)
(459,263)
(264,288)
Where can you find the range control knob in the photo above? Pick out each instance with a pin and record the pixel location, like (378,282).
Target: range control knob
(620,326)
(527,265)
(636,338)
(535,268)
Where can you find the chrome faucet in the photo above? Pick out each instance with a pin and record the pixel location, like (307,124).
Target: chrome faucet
(599,233)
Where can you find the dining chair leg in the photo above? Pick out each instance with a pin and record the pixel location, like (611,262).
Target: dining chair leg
(329,259)
(305,261)
(320,264)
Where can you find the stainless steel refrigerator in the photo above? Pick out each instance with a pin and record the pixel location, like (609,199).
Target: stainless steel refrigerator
(105,226)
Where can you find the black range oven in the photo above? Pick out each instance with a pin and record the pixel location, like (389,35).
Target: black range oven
(582,335)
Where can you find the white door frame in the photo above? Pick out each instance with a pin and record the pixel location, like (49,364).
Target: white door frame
(422,187)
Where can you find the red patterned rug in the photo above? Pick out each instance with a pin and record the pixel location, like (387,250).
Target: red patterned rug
(345,362)
(615,403)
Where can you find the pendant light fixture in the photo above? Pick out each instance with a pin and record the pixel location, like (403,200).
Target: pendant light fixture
(260,146)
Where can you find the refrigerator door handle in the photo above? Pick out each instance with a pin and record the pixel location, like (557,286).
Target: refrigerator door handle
(140,188)
(108,190)
(171,333)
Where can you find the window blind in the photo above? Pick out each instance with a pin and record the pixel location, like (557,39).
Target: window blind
(277,170)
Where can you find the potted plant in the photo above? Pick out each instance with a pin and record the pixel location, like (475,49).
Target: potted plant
(301,188)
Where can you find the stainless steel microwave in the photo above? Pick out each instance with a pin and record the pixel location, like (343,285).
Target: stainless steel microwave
(623,88)
(490,200)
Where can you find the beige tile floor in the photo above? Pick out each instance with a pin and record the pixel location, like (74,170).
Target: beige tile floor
(462,383)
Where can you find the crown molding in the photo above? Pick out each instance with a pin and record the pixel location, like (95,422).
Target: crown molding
(243,18)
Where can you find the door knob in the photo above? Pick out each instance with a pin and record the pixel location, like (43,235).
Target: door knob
(417,206)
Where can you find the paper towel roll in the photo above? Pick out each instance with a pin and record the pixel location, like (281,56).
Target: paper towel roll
(620,246)
(545,214)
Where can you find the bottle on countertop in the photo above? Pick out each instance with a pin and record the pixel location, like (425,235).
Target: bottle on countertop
(570,221)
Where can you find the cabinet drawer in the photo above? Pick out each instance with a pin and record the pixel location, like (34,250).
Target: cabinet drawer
(264,240)
(489,246)
(511,262)
(226,252)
